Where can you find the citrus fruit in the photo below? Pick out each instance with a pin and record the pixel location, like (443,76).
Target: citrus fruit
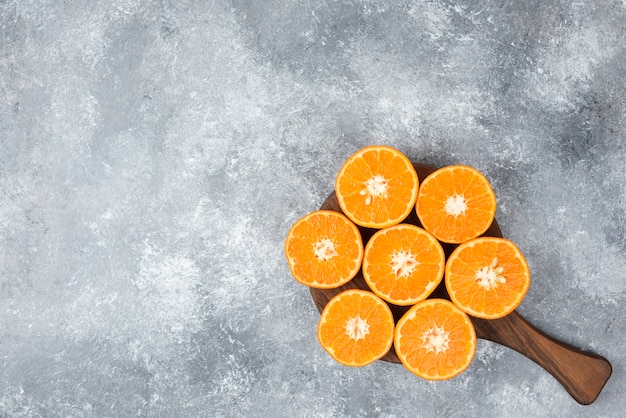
(377,187)
(403,264)
(435,340)
(456,203)
(356,328)
(324,249)
(487,277)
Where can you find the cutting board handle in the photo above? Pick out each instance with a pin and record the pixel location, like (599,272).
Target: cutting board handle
(581,373)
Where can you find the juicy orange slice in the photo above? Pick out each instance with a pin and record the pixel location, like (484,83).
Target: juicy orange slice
(435,340)
(487,277)
(403,264)
(456,203)
(377,187)
(356,328)
(324,249)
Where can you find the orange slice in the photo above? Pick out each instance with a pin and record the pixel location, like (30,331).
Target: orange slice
(324,249)
(456,204)
(435,340)
(377,187)
(356,328)
(487,277)
(403,264)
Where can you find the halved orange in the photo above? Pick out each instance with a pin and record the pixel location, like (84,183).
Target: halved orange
(324,249)
(435,340)
(356,328)
(403,264)
(377,187)
(456,203)
(487,277)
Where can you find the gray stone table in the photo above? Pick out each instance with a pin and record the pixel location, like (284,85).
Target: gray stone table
(153,155)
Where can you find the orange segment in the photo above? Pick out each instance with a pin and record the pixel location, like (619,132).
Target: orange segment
(324,249)
(377,187)
(356,328)
(435,340)
(456,203)
(487,277)
(403,264)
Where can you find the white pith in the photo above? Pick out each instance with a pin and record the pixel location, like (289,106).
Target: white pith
(435,339)
(374,187)
(324,249)
(357,328)
(456,205)
(403,263)
(491,275)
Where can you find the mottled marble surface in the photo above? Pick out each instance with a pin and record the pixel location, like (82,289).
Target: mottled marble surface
(153,155)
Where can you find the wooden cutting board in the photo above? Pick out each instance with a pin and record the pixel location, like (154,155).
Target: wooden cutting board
(581,373)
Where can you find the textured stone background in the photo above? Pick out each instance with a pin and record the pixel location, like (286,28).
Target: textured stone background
(153,155)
